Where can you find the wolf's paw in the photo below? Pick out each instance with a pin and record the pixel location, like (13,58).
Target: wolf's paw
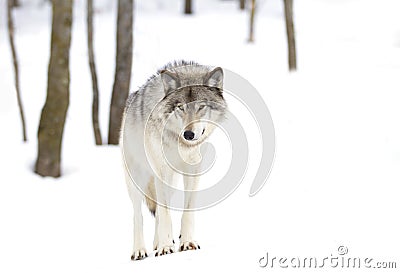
(189,245)
(155,244)
(139,254)
(164,250)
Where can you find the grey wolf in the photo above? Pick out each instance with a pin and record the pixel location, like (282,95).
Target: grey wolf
(175,110)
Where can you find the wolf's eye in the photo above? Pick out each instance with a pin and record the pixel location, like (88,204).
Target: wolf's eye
(201,107)
(180,107)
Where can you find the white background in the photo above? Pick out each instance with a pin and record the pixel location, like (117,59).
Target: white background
(336,175)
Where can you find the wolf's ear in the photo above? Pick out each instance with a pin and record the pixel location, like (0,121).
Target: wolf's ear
(215,78)
(170,81)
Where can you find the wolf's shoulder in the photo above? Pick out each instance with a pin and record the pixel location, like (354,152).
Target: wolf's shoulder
(130,99)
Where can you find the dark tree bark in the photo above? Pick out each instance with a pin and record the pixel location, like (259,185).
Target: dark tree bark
(242,4)
(123,68)
(92,65)
(290,34)
(252,15)
(188,7)
(54,112)
(14,3)
(10,23)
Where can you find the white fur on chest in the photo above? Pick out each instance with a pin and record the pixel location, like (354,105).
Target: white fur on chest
(179,157)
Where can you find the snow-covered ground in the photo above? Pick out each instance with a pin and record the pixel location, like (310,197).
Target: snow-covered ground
(336,175)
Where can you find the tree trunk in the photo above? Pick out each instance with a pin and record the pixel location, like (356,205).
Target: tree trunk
(188,7)
(92,65)
(123,68)
(242,4)
(10,23)
(290,34)
(14,3)
(252,15)
(53,115)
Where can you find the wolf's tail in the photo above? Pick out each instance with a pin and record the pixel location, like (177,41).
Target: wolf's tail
(151,196)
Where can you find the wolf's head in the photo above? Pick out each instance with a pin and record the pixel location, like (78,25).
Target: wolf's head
(193,110)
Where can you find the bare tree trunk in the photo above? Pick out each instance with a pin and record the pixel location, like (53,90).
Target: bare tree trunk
(123,68)
(14,3)
(10,22)
(242,4)
(252,15)
(290,34)
(54,112)
(92,65)
(188,7)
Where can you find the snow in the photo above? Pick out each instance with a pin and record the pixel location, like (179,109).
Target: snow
(335,179)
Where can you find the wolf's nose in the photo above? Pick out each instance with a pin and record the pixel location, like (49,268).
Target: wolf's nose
(188,135)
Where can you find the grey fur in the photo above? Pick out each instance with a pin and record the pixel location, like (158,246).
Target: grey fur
(181,97)
(207,87)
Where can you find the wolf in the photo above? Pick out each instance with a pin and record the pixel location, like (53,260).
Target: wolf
(168,119)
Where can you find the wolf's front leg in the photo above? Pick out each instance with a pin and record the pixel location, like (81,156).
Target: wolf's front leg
(139,250)
(187,241)
(163,237)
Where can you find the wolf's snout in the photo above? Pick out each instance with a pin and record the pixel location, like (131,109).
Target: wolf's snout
(188,135)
